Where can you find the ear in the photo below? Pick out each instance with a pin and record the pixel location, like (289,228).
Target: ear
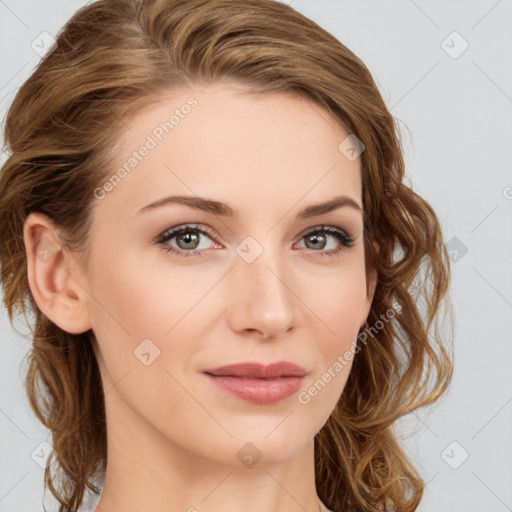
(54,276)
(372,285)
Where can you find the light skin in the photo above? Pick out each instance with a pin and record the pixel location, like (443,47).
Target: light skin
(173,437)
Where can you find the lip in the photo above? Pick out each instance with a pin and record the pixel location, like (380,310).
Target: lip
(258,383)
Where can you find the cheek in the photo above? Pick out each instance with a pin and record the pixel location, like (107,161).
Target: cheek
(133,303)
(148,313)
(336,298)
(139,299)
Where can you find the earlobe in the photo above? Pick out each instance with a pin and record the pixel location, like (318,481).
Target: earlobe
(52,277)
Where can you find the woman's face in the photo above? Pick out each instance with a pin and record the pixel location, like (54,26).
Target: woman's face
(254,286)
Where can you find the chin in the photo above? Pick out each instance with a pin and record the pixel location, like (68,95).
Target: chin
(273,442)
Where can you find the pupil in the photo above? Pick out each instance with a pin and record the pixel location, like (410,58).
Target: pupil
(189,239)
(316,238)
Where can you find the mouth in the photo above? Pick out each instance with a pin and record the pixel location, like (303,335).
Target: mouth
(258,383)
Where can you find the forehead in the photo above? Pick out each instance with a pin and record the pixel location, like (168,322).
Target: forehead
(220,142)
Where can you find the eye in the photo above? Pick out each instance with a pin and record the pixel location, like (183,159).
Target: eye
(318,238)
(187,237)
(188,240)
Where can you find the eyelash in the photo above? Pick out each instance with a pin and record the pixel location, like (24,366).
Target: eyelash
(346,240)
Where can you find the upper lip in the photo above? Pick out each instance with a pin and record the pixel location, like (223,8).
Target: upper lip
(259,371)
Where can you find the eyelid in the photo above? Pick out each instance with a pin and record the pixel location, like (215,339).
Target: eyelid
(210,232)
(185,225)
(164,237)
(344,238)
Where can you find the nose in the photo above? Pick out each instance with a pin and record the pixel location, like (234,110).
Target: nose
(262,299)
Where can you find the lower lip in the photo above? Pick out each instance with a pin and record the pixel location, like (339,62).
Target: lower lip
(259,391)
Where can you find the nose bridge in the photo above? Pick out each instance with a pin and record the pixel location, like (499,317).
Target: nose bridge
(264,299)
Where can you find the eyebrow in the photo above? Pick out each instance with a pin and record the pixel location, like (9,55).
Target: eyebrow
(224,210)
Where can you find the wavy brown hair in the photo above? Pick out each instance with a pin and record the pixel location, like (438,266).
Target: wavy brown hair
(112,58)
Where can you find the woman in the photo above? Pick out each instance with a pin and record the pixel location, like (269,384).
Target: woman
(235,294)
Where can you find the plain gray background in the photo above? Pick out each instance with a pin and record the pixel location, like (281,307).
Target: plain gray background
(455,104)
